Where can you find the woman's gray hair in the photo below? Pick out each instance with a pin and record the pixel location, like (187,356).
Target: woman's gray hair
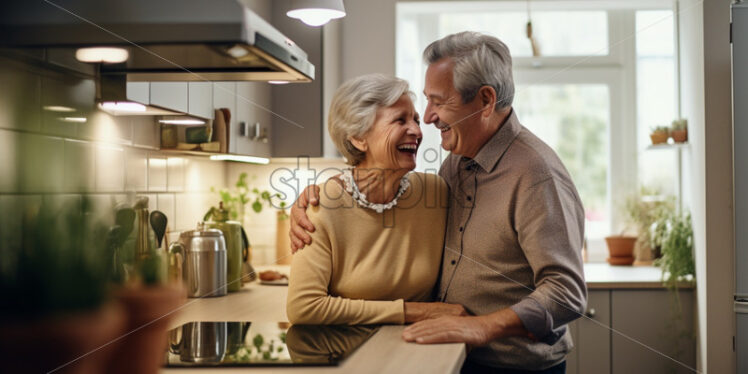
(354,108)
(480,60)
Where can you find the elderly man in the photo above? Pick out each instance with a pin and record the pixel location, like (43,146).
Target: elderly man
(515,226)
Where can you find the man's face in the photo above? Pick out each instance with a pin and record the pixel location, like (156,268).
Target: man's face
(457,121)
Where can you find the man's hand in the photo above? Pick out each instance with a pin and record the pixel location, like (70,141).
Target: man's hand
(300,223)
(472,330)
(415,312)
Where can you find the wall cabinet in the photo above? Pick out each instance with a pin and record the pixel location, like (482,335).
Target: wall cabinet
(170,95)
(651,334)
(253,113)
(298,126)
(200,99)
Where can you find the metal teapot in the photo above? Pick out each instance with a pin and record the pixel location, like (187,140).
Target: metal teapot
(198,259)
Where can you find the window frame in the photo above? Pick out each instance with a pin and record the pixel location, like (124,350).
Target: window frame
(617,70)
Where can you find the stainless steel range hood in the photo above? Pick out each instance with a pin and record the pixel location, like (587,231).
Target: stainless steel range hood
(168,40)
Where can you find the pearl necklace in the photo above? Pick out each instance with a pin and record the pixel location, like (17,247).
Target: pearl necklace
(360,198)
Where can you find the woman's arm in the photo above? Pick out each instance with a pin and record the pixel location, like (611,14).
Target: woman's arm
(309,301)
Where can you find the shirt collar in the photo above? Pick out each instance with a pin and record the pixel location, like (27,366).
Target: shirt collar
(490,154)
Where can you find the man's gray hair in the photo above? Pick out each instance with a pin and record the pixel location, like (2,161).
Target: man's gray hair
(354,109)
(480,60)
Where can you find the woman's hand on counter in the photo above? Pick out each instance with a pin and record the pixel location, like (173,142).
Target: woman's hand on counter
(415,311)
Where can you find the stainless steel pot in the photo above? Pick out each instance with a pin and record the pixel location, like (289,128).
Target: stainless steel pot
(200,342)
(199,260)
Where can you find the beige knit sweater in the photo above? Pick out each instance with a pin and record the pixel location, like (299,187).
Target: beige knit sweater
(362,265)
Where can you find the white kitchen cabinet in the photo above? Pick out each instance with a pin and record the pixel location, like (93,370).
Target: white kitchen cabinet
(591,352)
(253,110)
(200,99)
(658,332)
(224,96)
(139,91)
(170,95)
(634,331)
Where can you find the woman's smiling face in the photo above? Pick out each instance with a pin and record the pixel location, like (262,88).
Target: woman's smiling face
(393,140)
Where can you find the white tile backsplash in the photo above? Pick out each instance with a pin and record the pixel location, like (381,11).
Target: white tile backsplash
(156,173)
(80,166)
(110,168)
(19,97)
(202,174)
(190,209)
(42,165)
(136,170)
(9,152)
(175,174)
(145,132)
(166,206)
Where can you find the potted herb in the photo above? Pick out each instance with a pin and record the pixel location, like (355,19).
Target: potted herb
(677,260)
(646,210)
(56,311)
(679,130)
(235,202)
(659,134)
(143,291)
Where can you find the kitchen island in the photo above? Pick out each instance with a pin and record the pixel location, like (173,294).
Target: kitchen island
(385,352)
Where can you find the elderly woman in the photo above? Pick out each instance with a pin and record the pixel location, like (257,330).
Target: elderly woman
(377,246)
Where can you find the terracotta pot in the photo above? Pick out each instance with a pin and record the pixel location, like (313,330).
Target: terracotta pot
(621,246)
(150,309)
(680,136)
(78,343)
(659,137)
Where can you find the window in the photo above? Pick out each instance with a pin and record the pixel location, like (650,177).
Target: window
(606,74)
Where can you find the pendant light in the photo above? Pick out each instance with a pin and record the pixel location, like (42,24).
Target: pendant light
(528,29)
(316,12)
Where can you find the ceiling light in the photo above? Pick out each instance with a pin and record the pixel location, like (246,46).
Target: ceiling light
(238,158)
(122,106)
(316,12)
(237,51)
(109,55)
(59,108)
(73,119)
(278,82)
(182,121)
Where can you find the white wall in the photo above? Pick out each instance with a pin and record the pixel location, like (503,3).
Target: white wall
(368,40)
(705,101)
(718,176)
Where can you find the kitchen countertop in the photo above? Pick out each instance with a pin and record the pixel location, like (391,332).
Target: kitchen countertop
(385,352)
(605,276)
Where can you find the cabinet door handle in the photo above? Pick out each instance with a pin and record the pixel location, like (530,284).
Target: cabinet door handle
(590,313)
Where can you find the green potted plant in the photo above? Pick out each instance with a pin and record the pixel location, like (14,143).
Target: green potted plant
(659,134)
(678,267)
(235,202)
(677,261)
(646,210)
(143,291)
(56,310)
(679,130)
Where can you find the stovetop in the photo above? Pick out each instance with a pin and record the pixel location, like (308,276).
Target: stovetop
(211,344)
